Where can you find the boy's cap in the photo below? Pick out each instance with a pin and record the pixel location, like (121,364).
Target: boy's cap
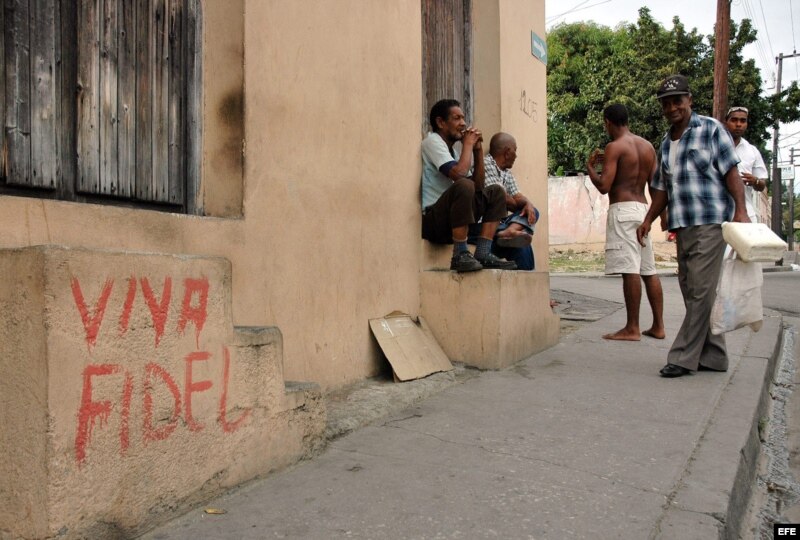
(674,85)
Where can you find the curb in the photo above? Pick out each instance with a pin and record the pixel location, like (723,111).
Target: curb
(711,497)
(761,346)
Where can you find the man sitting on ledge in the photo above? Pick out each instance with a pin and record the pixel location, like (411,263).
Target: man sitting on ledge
(513,238)
(454,195)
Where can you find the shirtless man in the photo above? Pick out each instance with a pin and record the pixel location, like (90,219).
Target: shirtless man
(628,164)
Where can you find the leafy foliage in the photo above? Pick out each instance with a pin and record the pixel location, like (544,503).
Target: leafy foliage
(591,66)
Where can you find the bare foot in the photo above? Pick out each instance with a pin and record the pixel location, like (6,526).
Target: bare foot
(658,334)
(624,335)
(553,303)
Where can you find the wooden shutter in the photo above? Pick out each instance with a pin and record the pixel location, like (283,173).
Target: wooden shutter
(30,150)
(446,54)
(132,84)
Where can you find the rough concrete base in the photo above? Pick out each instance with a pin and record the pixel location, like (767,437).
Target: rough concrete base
(489,319)
(127,396)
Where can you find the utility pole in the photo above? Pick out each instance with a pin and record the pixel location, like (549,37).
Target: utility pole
(722,32)
(776,173)
(790,240)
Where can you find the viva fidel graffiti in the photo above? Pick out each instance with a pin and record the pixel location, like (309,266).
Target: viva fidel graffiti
(193,312)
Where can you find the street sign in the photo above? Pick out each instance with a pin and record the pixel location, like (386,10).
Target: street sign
(787,172)
(539,48)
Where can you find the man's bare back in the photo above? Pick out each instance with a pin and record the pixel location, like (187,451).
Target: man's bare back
(634,161)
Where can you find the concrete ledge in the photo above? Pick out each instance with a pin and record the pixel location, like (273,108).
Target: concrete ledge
(489,319)
(435,256)
(127,396)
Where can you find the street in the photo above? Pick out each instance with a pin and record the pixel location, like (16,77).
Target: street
(777,492)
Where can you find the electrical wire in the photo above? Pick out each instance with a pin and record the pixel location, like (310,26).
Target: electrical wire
(794,43)
(769,41)
(574,9)
(761,53)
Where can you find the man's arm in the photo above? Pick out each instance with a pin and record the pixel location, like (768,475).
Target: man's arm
(479,172)
(657,205)
(464,163)
(603,182)
(758,180)
(735,186)
(521,202)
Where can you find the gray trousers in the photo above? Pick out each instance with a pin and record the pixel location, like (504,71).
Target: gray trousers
(700,252)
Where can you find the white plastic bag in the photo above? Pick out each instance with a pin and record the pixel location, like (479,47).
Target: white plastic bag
(738,300)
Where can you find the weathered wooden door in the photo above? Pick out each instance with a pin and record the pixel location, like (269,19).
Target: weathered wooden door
(446,54)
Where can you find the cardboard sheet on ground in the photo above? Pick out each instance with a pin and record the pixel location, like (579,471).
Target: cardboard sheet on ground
(410,348)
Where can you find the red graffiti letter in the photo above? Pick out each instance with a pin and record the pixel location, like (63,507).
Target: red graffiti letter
(151,433)
(192,387)
(125,318)
(91,323)
(228,427)
(90,410)
(158,311)
(124,432)
(197,313)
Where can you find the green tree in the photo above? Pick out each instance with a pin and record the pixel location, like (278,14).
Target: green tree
(591,66)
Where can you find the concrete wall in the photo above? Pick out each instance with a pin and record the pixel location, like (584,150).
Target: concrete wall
(578,212)
(320,218)
(310,225)
(128,395)
(510,95)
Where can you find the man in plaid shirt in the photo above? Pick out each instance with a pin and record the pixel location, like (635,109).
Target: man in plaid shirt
(697,181)
(512,239)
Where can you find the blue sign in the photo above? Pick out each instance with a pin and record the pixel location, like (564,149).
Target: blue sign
(539,48)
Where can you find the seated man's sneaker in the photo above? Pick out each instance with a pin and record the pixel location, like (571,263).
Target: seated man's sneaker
(493,261)
(465,262)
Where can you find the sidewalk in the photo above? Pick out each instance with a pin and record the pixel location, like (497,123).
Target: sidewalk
(584,440)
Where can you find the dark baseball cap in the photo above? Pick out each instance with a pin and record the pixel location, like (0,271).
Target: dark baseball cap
(674,85)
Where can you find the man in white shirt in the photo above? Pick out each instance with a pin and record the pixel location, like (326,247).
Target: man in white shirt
(454,195)
(751,164)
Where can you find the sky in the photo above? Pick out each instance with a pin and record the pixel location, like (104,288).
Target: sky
(777,23)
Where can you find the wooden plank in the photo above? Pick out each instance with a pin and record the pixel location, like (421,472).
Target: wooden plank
(18,71)
(194,96)
(126,111)
(43,94)
(145,48)
(88,115)
(467,100)
(109,97)
(176,120)
(161,103)
(3,149)
(67,73)
(446,53)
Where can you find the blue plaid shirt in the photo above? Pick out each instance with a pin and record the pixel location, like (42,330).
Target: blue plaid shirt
(696,189)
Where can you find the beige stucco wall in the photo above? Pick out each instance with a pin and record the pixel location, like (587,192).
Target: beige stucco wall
(128,395)
(578,212)
(320,217)
(330,226)
(510,95)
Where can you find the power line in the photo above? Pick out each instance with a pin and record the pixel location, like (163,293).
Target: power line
(574,9)
(794,43)
(771,53)
(567,12)
(766,62)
